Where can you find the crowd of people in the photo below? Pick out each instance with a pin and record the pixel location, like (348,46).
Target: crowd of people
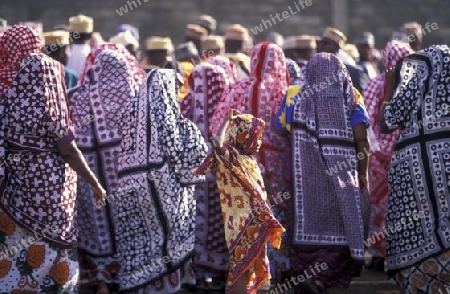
(221,164)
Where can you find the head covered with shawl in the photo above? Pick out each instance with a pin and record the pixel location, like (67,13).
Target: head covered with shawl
(262,91)
(138,72)
(322,137)
(245,134)
(294,72)
(373,94)
(227,65)
(338,85)
(206,85)
(16,43)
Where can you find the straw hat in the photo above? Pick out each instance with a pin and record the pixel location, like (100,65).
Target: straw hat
(56,37)
(81,23)
(158,43)
(236,32)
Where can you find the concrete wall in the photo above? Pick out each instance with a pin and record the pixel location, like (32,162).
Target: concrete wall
(168,17)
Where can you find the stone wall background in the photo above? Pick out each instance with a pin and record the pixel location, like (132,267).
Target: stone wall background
(169,17)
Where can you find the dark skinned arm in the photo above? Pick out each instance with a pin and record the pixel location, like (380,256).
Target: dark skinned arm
(72,155)
(391,81)
(220,137)
(362,147)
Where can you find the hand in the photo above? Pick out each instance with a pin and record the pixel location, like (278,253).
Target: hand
(99,194)
(363,183)
(390,78)
(232,114)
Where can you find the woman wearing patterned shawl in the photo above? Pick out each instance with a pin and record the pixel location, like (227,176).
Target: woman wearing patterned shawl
(96,108)
(417,102)
(38,233)
(249,223)
(138,72)
(206,85)
(156,212)
(327,133)
(261,95)
(380,160)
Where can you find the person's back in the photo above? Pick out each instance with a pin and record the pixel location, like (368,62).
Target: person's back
(417,103)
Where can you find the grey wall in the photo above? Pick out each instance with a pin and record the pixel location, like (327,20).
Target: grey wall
(168,17)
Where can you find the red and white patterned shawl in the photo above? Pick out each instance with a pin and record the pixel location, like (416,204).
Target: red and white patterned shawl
(97,109)
(138,73)
(261,95)
(41,192)
(16,43)
(228,66)
(206,85)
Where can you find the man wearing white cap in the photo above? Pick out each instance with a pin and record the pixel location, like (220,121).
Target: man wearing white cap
(56,44)
(300,48)
(81,28)
(332,42)
(236,36)
(159,52)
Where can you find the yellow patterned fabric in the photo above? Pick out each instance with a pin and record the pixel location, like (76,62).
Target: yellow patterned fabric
(249,222)
(188,67)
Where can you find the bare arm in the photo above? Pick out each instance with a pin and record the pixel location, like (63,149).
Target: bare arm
(72,155)
(362,151)
(220,137)
(391,80)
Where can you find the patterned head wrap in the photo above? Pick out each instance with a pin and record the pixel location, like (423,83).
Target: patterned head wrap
(227,65)
(393,51)
(206,85)
(16,43)
(138,72)
(244,132)
(327,68)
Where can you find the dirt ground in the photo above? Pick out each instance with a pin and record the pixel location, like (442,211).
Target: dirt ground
(370,282)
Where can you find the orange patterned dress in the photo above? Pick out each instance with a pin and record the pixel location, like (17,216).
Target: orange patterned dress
(248,221)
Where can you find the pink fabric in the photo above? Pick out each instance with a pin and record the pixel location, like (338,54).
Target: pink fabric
(227,65)
(16,43)
(138,73)
(261,95)
(206,86)
(379,161)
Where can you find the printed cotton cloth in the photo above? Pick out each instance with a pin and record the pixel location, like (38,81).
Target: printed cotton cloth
(97,108)
(249,223)
(37,207)
(206,85)
(156,212)
(418,181)
(322,140)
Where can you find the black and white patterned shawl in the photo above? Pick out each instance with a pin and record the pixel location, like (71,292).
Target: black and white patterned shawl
(327,201)
(96,109)
(419,177)
(156,211)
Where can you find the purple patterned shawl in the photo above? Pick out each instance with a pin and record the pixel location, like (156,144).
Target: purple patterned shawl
(326,197)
